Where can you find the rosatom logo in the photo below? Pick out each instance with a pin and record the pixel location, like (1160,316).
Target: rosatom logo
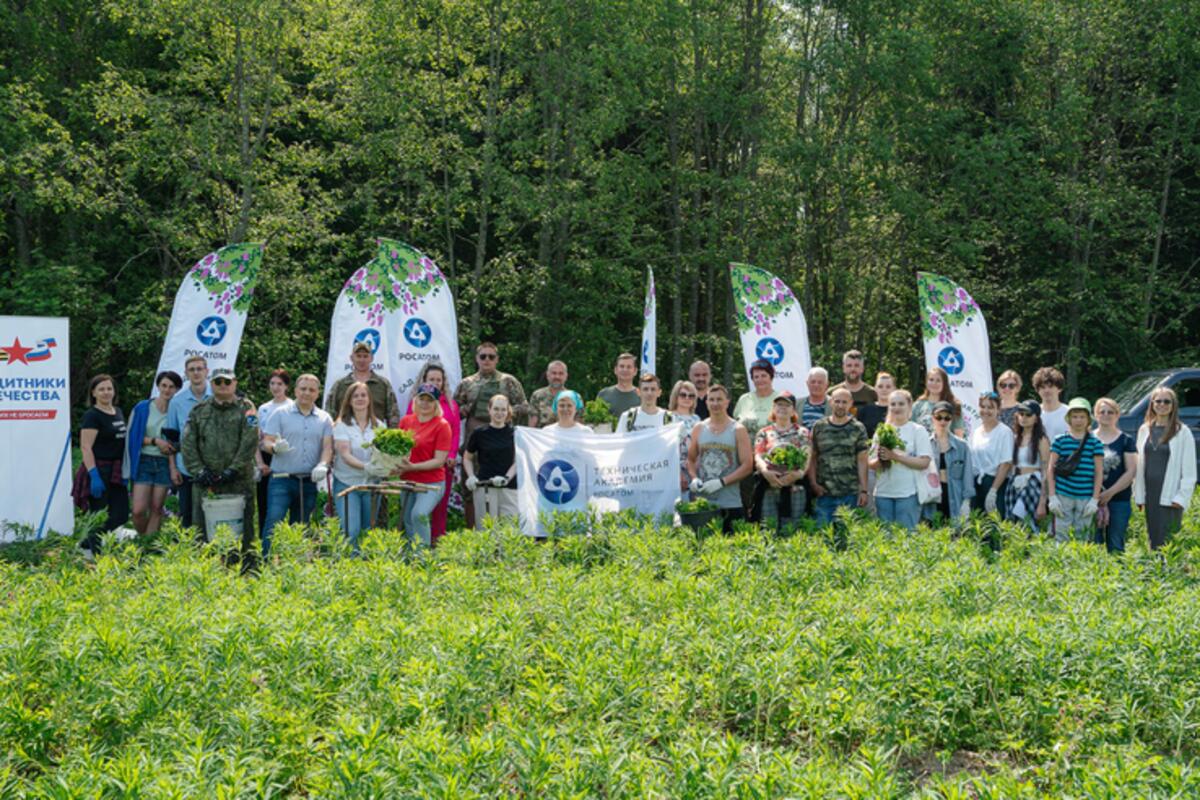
(951,359)
(370,336)
(417,332)
(211,331)
(16,353)
(558,481)
(769,349)
(645,353)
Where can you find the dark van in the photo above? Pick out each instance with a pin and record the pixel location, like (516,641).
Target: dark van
(1133,395)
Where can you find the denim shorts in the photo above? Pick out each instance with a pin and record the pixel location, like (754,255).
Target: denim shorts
(153,470)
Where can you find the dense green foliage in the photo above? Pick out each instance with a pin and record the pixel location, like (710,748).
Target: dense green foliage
(544,153)
(637,662)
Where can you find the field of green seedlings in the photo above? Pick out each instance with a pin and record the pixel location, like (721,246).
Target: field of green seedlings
(634,662)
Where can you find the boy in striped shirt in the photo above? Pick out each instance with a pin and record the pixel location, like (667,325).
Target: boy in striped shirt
(1075,496)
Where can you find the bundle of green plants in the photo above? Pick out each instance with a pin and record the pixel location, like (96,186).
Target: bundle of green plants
(887,436)
(393,441)
(788,457)
(697,506)
(597,412)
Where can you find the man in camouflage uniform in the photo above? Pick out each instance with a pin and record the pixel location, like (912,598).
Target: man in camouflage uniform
(476,391)
(541,402)
(218,449)
(839,446)
(383,399)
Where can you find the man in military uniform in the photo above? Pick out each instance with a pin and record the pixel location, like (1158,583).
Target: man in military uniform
(476,391)
(383,399)
(218,449)
(541,402)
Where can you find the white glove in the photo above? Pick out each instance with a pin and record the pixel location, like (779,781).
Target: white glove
(1093,505)
(989,502)
(499,481)
(965,509)
(472,483)
(1055,504)
(696,486)
(281,446)
(257,474)
(712,487)
(319,472)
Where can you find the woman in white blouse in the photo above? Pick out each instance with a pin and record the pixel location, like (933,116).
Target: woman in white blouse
(355,428)
(991,452)
(896,492)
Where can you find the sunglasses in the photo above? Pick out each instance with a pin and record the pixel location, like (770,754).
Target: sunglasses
(1163,401)
(487,356)
(222,381)
(942,418)
(1008,385)
(687,394)
(1106,411)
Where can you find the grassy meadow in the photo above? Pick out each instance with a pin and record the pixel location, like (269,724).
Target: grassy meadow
(639,661)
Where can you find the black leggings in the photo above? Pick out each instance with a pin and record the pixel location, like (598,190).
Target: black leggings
(116,500)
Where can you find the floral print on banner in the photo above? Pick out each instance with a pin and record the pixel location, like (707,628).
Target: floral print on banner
(400,277)
(759,297)
(229,276)
(945,306)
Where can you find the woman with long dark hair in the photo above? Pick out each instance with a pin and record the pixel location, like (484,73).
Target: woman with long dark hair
(937,390)
(148,454)
(102,445)
(1024,498)
(1166,467)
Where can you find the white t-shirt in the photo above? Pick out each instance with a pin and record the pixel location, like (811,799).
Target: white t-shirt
(1055,422)
(900,480)
(357,437)
(642,420)
(990,450)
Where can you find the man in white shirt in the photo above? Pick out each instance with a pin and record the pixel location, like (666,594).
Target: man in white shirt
(1049,383)
(648,414)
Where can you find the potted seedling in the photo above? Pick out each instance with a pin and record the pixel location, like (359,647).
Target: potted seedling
(696,514)
(598,416)
(389,446)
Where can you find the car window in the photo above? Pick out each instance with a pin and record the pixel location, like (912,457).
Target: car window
(1188,392)
(1131,391)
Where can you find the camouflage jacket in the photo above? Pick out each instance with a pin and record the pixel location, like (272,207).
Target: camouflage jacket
(383,399)
(541,405)
(220,436)
(476,391)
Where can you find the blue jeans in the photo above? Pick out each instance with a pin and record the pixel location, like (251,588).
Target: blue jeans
(354,511)
(827,505)
(903,511)
(1113,534)
(418,506)
(281,495)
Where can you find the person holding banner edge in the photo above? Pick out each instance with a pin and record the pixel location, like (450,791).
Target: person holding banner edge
(149,456)
(102,445)
(720,456)
(490,464)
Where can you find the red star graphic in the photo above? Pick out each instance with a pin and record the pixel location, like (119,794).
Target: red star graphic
(16,353)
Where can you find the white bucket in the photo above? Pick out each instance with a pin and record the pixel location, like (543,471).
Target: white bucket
(223,509)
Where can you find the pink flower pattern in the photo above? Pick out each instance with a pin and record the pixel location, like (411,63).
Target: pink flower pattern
(228,276)
(945,306)
(761,297)
(399,278)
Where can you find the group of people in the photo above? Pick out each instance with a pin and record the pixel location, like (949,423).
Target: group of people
(871,447)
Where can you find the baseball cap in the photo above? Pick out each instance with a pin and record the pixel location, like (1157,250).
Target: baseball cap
(223,372)
(429,389)
(1029,407)
(360,345)
(787,397)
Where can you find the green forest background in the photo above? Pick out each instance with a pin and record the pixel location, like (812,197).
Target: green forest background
(1043,154)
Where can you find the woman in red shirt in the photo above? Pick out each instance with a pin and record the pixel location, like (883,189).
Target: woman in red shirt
(426,463)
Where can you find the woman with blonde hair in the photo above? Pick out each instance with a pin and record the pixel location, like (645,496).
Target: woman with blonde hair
(352,433)
(1008,386)
(1166,467)
(682,405)
(896,491)
(1120,465)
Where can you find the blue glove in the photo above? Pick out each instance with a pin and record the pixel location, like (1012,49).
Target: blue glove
(98,485)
